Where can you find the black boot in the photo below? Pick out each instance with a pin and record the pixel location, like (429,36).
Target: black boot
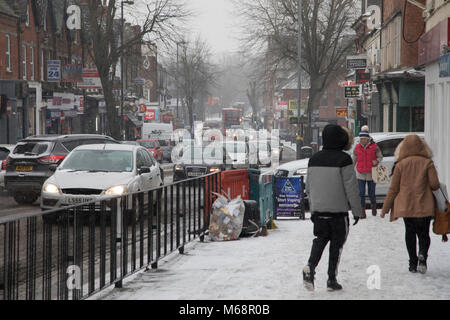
(413,266)
(333,285)
(422,268)
(308,278)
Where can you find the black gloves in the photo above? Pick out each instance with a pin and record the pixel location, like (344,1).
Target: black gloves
(356,220)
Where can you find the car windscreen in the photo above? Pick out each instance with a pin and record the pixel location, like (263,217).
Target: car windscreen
(147,144)
(33,148)
(202,154)
(261,146)
(3,153)
(99,161)
(163,143)
(236,147)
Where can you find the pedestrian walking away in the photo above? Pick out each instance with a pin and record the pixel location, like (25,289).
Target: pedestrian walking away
(410,197)
(332,189)
(366,155)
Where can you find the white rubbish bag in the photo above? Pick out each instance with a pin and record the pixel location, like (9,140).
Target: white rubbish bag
(227,219)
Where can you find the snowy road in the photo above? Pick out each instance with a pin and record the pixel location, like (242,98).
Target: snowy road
(269,268)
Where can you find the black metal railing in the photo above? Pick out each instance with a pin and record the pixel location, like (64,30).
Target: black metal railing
(75,252)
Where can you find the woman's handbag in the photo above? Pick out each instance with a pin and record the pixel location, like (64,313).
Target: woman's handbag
(441,224)
(380,174)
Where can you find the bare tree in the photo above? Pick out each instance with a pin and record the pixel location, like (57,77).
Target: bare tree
(272,26)
(157,21)
(253,97)
(196,74)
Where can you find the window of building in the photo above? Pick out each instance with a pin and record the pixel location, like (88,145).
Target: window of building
(337,97)
(27,21)
(24,62)
(32,63)
(324,101)
(42,65)
(8,53)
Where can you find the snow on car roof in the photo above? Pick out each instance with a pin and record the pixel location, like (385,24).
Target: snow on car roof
(108,146)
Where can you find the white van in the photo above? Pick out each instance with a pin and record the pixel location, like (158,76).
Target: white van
(158,131)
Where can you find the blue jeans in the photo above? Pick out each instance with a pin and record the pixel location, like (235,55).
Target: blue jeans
(371,191)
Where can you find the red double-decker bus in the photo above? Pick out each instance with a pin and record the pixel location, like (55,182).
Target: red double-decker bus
(231,117)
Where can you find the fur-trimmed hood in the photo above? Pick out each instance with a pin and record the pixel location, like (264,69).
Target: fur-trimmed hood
(413,145)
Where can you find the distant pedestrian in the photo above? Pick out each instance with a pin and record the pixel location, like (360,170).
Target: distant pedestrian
(410,197)
(332,190)
(366,155)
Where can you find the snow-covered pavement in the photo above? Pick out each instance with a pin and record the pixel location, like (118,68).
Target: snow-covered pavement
(374,265)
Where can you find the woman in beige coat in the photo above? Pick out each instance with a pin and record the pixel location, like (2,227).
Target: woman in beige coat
(410,197)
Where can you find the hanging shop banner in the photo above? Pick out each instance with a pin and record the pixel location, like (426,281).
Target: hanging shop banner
(341,112)
(79,104)
(61,101)
(282,105)
(288,196)
(72,73)
(362,76)
(352,92)
(91,80)
(151,114)
(53,70)
(293,105)
(356,62)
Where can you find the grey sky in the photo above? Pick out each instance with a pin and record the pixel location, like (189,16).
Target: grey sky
(216,23)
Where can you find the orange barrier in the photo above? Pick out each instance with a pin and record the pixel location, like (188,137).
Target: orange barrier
(232,183)
(235,183)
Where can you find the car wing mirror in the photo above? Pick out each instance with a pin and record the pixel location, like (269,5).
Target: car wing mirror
(143,170)
(53,167)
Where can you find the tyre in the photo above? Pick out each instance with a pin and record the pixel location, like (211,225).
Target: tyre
(25,198)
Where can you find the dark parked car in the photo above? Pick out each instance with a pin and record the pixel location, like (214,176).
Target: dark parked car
(199,161)
(28,165)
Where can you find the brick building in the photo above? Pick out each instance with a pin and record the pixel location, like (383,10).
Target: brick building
(434,54)
(31,34)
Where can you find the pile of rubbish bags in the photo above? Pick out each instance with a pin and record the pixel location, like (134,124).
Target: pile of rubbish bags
(227,219)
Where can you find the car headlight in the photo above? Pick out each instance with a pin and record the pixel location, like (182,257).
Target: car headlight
(115,191)
(51,188)
(214,170)
(301,172)
(178,168)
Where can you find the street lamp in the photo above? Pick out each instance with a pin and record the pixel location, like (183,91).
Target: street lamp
(122,121)
(299,77)
(178,87)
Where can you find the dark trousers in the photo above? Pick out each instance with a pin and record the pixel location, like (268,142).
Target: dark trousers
(334,229)
(417,228)
(370,190)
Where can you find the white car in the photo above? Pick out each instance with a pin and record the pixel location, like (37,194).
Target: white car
(238,152)
(5,149)
(297,168)
(94,172)
(387,142)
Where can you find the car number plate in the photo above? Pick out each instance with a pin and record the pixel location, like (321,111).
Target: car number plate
(78,200)
(24,168)
(194,174)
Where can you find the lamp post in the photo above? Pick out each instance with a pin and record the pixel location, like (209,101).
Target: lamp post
(178,86)
(299,77)
(122,121)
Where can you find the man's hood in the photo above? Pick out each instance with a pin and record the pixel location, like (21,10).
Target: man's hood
(334,137)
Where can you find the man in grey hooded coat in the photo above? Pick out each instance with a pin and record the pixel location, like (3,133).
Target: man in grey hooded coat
(332,189)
